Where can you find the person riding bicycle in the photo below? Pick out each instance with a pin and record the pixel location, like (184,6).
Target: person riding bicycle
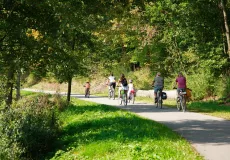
(181,83)
(123,85)
(130,87)
(111,81)
(87,88)
(158,84)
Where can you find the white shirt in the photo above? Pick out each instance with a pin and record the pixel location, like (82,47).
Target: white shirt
(111,79)
(130,86)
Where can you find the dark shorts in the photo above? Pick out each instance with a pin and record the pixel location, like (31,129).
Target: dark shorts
(178,90)
(112,84)
(157,88)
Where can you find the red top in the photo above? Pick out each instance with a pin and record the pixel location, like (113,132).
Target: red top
(181,81)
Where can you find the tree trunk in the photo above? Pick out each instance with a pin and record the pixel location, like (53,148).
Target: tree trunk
(18,95)
(69,89)
(222,4)
(9,87)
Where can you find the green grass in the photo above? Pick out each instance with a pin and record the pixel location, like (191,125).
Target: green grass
(212,108)
(99,132)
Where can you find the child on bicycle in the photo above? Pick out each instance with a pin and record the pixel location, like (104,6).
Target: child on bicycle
(131,88)
(87,88)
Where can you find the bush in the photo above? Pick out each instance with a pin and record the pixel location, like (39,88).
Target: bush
(28,129)
(204,85)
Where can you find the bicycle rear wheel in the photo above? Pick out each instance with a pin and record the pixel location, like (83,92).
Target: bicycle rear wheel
(132,98)
(113,93)
(178,104)
(124,99)
(109,93)
(183,104)
(160,102)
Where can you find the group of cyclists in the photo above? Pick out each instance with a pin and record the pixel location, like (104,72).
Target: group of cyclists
(158,84)
(122,84)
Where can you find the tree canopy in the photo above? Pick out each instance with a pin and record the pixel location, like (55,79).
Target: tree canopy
(75,37)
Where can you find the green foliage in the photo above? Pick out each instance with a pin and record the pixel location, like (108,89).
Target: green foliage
(28,129)
(226,87)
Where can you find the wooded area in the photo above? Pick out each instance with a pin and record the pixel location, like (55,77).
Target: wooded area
(77,37)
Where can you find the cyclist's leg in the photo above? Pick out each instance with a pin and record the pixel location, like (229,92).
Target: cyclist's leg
(155,94)
(126,96)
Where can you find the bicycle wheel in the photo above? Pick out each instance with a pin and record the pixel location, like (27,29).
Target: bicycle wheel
(124,99)
(88,95)
(183,104)
(132,98)
(178,104)
(157,101)
(160,102)
(113,93)
(109,93)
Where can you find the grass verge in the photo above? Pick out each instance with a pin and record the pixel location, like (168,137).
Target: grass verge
(95,131)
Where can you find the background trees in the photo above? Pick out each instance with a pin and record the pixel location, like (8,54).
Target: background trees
(77,37)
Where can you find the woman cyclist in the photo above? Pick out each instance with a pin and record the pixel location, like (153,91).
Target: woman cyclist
(123,85)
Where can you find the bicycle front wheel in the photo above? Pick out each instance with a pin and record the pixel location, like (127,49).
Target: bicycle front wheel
(183,104)
(160,102)
(113,93)
(132,98)
(178,105)
(124,99)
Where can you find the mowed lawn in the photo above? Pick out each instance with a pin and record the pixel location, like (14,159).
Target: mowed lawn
(98,132)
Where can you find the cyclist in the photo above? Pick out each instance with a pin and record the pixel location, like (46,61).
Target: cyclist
(123,85)
(158,84)
(181,83)
(111,81)
(87,88)
(130,87)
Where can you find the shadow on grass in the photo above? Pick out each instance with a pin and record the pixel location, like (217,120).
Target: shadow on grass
(118,126)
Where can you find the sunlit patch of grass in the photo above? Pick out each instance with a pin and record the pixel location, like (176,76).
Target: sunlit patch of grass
(94,131)
(211,108)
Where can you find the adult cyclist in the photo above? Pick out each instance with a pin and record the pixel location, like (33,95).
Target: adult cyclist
(123,85)
(112,81)
(181,83)
(158,84)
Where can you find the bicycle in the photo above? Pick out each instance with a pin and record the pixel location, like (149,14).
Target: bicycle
(123,97)
(111,92)
(132,96)
(87,93)
(159,100)
(181,101)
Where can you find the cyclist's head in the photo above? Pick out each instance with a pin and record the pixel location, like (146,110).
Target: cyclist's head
(180,74)
(158,73)
(122,75)
(130,81)
(111,74)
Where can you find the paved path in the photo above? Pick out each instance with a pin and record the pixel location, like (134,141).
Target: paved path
(210,136)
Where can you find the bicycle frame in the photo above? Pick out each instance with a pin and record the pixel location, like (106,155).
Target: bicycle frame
(159,99)
(87,92)
(181,104)
(111,92)
(131,96)
(123,97)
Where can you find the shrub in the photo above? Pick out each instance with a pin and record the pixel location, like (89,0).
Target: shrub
(28,129)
